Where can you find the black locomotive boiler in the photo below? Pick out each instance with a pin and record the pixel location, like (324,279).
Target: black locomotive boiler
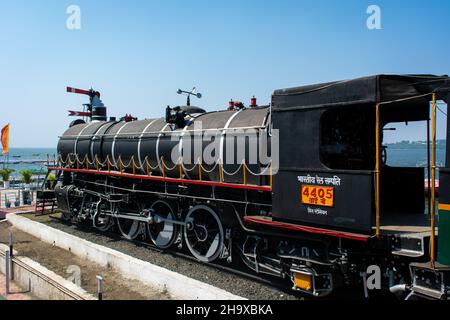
(308,196)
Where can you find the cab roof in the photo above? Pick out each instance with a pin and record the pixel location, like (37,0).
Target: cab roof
(385,89)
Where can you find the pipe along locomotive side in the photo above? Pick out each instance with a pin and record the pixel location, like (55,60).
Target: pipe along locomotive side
(321,212)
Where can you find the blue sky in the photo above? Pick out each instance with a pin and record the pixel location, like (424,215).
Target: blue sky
(138,53)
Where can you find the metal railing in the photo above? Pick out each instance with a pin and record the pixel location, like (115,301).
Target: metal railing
(432,164)
(161,169)
(15,198)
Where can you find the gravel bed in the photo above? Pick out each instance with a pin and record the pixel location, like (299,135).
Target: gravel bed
(235,284)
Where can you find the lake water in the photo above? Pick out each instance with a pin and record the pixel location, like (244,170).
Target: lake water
(413,157)
(27,158)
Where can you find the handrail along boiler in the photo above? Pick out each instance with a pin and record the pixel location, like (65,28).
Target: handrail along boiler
(334,212)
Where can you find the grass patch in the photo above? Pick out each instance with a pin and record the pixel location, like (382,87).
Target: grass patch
(41,218)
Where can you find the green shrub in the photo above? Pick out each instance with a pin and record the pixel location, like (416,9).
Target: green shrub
(26,175)
(6,174)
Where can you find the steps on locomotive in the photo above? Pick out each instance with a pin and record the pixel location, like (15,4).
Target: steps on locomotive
(413,245)
(409,234)
(430,281)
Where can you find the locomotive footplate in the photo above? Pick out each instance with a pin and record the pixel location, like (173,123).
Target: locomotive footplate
(430,281)
(267,221)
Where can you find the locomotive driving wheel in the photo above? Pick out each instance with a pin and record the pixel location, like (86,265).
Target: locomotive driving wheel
(129,227)
(204,233)
(162,232)
(101,220)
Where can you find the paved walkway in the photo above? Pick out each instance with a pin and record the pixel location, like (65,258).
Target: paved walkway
(17,293)
(22,209)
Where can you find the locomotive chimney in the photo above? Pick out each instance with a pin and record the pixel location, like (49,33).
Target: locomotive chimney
(253,102)
(98,109)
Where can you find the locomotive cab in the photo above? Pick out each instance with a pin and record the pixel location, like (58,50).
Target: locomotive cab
(337,177)
(333,129)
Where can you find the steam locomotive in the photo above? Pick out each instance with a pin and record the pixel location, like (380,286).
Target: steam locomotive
(328,213)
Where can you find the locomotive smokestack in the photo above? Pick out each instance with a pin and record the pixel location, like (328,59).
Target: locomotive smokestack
(98,109)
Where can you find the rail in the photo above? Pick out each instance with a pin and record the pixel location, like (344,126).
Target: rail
(433,177)
(431,165)
(16,198)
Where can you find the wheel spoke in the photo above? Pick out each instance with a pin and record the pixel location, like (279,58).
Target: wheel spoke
(130,229)
(214,246)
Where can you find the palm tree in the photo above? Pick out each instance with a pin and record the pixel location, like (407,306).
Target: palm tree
(26,176)
(5,173)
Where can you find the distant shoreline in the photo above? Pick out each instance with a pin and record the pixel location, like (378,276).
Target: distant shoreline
(409,145)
